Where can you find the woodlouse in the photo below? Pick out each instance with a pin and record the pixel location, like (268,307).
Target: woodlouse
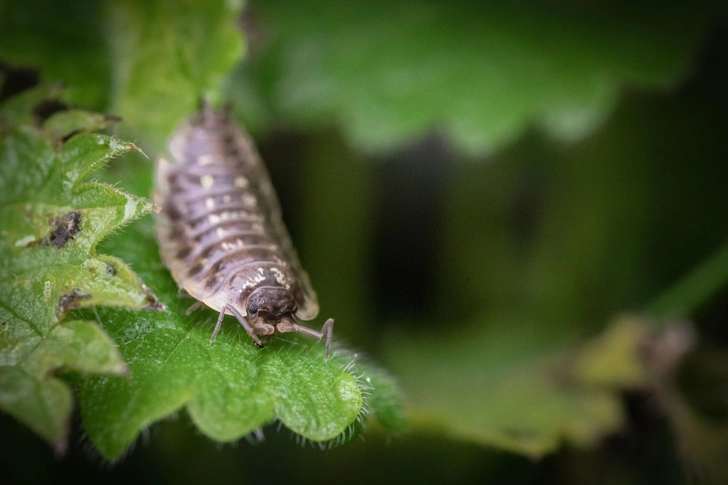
(221,233)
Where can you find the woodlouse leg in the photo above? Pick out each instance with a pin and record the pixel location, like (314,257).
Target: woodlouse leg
(244,323)
(195,306)
(327,329)
(218,324)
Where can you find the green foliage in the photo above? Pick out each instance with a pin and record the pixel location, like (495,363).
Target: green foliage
(66,41)
(481,72)
(534,253)
(148,62)
(51,220)
(512,396)
(521,361)
(163,57)
(168,54)
(229,387)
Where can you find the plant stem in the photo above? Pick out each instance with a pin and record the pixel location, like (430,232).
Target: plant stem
(686,296)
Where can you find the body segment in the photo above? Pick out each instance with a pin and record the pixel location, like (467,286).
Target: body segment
(221,233)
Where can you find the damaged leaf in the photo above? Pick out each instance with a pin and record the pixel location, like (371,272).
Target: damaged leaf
(162,57)
(51,219)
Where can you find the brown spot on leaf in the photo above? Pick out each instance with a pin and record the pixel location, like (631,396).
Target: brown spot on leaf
(108,121)
(47,108)
(71,301)
(153,302)
(64,228)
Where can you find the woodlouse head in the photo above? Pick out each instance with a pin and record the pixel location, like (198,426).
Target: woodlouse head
(271,304)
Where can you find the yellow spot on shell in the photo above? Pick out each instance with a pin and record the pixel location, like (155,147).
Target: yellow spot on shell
(213,218)
(226,199)
(241,182)
(206,181)
(249,200)
(280,277)
(204,160)
(220,232)
(210,203)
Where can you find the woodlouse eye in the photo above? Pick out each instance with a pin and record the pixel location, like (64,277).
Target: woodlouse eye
(295,309)
(252,308)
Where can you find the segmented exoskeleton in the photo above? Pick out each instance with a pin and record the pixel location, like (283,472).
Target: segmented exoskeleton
(221,234)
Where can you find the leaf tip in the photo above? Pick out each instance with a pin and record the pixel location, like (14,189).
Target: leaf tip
(60,447)
(152,302)
(123,369)
(136,148)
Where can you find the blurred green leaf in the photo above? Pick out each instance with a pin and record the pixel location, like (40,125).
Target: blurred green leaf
(538,254)
(389,72)
(66,41)
(146,61)
(51,220)
(613,360)
(492,391)
(168,54)
(229,387)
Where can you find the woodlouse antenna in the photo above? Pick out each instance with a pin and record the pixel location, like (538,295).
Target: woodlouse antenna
(227,110)
(205,113)
(327,330)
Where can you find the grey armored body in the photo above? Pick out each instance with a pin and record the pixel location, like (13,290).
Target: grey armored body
(221,233)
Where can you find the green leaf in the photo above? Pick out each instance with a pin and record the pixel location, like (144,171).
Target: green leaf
(66,41)
(146,61)
(510,397)
(389,72)
(230,388)
(163,56)
(536,261)
(51,220)
(168,54)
